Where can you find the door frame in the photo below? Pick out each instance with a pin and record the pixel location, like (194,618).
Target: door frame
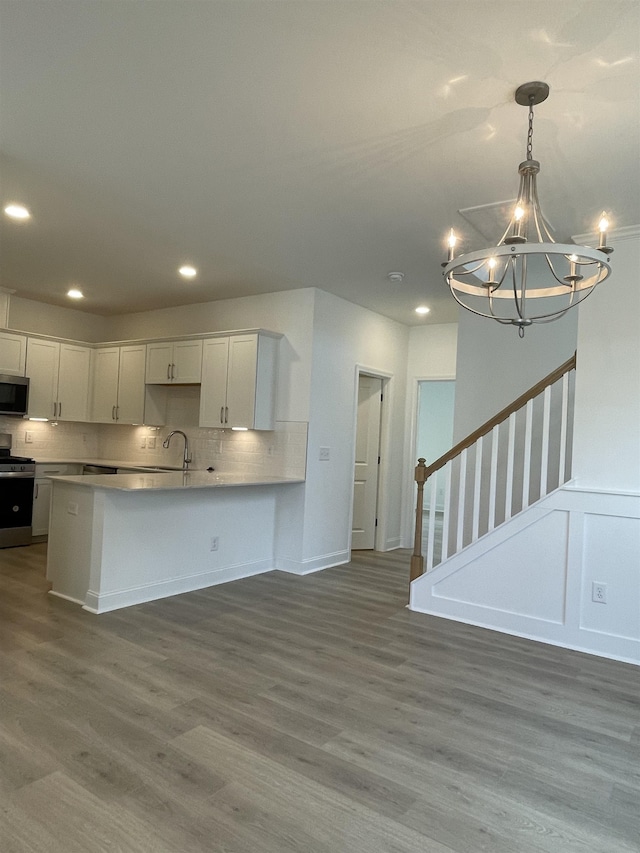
(385,409)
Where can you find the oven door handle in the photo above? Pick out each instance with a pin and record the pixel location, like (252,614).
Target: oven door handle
(23,474)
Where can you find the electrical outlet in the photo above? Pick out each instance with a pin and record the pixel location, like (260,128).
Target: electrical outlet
(324,455)
(151,442)
(215,541)
(72,508)
(143,442)
(599,592)
(28,437)
(84,438)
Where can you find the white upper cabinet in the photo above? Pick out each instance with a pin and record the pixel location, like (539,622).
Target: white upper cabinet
(118,385)
(13,354)
(177,362)
(239,382)
(59,380)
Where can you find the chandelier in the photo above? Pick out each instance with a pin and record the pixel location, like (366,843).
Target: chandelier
(527,277)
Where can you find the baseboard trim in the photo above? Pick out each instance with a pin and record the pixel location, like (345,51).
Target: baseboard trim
(97,602)
(66,597)
(315,564)
(634,659)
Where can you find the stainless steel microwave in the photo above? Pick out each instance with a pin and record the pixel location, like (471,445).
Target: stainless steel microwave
(14,395)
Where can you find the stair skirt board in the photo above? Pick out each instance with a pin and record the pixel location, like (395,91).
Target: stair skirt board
(532,576)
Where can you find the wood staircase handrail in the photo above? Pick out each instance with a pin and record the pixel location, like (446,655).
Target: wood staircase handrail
(486,427)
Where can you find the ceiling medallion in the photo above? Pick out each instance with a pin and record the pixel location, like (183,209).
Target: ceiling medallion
(527,277)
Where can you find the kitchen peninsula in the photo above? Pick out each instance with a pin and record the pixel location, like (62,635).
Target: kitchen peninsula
(124,539)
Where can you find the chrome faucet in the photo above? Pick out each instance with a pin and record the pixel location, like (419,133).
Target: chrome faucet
(187,457)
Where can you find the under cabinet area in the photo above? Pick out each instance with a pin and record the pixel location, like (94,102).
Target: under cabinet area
(174,362)
(118,391)
(239,381)
(13,354)
(59,376)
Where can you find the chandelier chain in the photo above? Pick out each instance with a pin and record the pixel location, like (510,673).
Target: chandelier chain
(530,133)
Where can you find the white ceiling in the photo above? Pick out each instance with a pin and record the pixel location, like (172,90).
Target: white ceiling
(280,145)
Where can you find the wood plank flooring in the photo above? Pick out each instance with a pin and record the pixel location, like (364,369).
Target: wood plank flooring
(282,714)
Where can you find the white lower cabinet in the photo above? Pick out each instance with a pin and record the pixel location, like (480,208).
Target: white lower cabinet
(239,382)
(118,392)
(59,380)
(42,493)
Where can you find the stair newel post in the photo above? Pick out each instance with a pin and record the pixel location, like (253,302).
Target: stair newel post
(417,560)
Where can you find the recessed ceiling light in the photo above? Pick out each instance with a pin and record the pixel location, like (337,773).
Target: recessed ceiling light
(17,211)
(187,271)
(74,293)
(395,277)
(422,309)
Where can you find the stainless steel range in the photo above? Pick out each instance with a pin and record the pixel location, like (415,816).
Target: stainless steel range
(17,477)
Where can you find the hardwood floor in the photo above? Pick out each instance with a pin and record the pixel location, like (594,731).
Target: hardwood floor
(315,715)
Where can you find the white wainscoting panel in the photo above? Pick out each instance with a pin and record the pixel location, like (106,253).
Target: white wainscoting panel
(533,575)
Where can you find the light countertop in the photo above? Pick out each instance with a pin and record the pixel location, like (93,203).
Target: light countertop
(168,480)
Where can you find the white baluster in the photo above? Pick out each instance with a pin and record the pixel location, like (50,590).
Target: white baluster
(508,498)
(493,477)
(526,468)
(433,482)
(462,484)
(544,462)
(476,492)
(564,419)
(445,520)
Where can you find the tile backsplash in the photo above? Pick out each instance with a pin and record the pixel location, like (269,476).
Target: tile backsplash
(281,452)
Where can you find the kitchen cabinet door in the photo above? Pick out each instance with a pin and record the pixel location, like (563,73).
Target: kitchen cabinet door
(158,365)
(131,390)
(13,354)
(238,382)
(73,383)
(213,391)
(174,363)
(241,380)
(104,397)
(187,362)
(42,369)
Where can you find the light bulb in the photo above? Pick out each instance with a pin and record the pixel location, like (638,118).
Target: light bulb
(187,271)
(451,243)
(17,211)
(603,227)
(518,213)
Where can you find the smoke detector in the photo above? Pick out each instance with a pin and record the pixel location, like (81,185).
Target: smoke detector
(396,277)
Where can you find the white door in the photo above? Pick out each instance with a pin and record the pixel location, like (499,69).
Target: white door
(365,487)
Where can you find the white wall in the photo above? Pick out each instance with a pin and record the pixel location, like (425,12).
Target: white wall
(607,403)
(495,366)
(346,337)
(26,315)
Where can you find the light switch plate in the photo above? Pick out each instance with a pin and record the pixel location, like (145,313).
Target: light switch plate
(324,455)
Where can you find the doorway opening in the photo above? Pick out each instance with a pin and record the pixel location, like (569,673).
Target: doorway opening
(434,437)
